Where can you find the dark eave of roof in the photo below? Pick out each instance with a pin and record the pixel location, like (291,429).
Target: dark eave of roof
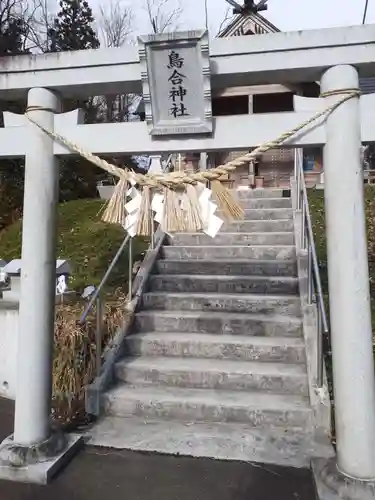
(367,85)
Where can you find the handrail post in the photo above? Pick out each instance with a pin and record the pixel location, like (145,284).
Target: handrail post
(313,276)
(320,355)
(298,190)
(303,225)
(104,280)
(98,335)
(152,240)
(152,225)
(130,270)
(98,344)
(298,187)
(309,273)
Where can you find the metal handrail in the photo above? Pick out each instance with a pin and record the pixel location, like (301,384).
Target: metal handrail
(315,290)
(97,299)
(127,240)
(96,294)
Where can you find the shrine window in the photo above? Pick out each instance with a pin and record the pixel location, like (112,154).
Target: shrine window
(273,103)
(231,105)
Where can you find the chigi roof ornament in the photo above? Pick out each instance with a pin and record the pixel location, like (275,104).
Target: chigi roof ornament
(249,7)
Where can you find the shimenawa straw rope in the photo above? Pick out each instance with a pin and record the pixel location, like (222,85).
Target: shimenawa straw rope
(174,182)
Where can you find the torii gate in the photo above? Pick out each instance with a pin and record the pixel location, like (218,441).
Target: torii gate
(335,57)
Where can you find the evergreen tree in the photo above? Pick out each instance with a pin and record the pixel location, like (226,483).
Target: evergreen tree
(12,37)
(12,42)
(12,30)
(72,29)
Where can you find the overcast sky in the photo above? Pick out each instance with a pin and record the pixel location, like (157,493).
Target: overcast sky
(287,15)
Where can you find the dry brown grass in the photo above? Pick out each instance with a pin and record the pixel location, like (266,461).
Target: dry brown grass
(74,360)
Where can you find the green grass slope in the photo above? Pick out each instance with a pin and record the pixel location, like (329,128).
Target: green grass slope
(316,200)
(86,241)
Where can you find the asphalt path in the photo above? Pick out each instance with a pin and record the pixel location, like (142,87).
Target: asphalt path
(106,474)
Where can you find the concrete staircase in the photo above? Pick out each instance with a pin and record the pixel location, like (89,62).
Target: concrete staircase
(216,363)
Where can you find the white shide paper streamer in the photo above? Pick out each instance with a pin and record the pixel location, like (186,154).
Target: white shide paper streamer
(211,223)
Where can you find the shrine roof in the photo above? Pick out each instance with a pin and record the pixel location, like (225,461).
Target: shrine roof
(256,24)
(248,24)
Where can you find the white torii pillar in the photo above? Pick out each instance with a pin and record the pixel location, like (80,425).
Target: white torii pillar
(38,276)
(349,294)
(33,443)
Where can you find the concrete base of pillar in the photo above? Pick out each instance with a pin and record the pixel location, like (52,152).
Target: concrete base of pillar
(31,465)
(332,485)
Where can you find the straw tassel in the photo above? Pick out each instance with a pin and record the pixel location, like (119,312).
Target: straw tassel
(173,217)
(114,212)
(226,202)
(193,218)
(145,218)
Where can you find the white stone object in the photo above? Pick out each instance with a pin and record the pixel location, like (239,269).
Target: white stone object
(175,72)
(155,165)
(4,277)
(88,291)
(14,267)
(9,319)
(36,322)
(289,56)
(61,286)
(105,191)
(231,133)
(13,293)
(349,294)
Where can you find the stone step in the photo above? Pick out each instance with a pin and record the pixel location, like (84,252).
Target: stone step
(204,405)
(245,194)
(236,238)
(228,268)
(286,447)
(223,284)
(193,345)
(258,226)
(266,203)
(262,252)
(276,378)
(218,323)
(268,214)
(236,303)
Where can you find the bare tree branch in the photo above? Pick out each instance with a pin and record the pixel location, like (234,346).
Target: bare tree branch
(163,15)
(15,11)
(116,23)
(38,16)
(116,27)
(7,10)
(227,18)
(365,12)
